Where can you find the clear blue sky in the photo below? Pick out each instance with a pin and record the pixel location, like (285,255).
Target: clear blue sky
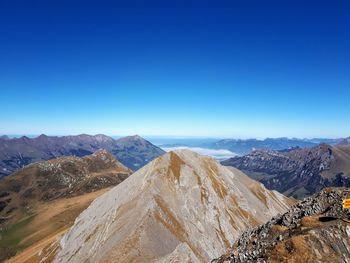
(191,68)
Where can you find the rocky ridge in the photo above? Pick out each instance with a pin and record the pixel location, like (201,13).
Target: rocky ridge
(45,197)
(297,172)
(316,229)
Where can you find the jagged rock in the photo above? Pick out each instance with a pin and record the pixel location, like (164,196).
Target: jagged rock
(316,228)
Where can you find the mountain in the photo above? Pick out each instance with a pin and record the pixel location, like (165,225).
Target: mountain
(243,147)
(132,151)
(314,230)
(45,197)
(297,172)
(181,207)
(345,141)
(135,152)
(4,137)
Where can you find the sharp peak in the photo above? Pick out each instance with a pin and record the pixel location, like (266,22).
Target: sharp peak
(187,155)
(42,136)
(136,136)
(184,151)
(133,137)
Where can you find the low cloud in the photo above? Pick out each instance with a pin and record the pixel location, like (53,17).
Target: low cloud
(220,154)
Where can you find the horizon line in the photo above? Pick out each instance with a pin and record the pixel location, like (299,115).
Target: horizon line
(19,135)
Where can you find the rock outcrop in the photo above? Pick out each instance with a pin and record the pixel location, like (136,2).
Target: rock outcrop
(316,229)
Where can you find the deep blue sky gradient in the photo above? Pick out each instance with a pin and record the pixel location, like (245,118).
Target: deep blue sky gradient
(191,68)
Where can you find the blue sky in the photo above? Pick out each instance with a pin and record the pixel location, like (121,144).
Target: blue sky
(183,68)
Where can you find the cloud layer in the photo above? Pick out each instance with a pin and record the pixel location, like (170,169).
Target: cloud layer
(219,154)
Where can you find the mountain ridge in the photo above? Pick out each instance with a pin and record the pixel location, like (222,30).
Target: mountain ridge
(245,146)
(297,172)
(46,196)
(132,151)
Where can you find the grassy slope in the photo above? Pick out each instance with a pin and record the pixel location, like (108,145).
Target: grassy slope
(50,218)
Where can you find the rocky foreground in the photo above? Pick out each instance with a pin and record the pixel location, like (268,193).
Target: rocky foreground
(315,230)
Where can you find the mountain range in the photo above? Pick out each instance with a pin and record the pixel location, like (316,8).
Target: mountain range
(181,207)
(45,197)
(298,172)
(242,147)
(133,151)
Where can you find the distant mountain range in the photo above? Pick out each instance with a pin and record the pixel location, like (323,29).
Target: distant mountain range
(133,151)
(242,147)
(298,172)
(181,207)
(45,197)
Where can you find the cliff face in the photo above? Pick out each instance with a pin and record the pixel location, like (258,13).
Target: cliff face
(316,229)
(298,172)
(180,207)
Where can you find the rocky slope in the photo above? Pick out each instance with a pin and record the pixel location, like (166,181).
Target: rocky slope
(132,151)
(40,188)
(316,229)
(181,207)
(298,172)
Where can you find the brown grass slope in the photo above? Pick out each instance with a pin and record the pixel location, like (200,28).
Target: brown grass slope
(44,198)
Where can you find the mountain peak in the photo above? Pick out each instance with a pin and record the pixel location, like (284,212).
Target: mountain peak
(297,172)
(103,138)
(135,137)
(345,141)
(63,177)
(42,137)
(162,210)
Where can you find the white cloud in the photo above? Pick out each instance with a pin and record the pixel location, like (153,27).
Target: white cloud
(220,154)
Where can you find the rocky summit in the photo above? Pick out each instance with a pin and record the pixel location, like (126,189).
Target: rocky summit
(181,207)
(298,172)
(316,229)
